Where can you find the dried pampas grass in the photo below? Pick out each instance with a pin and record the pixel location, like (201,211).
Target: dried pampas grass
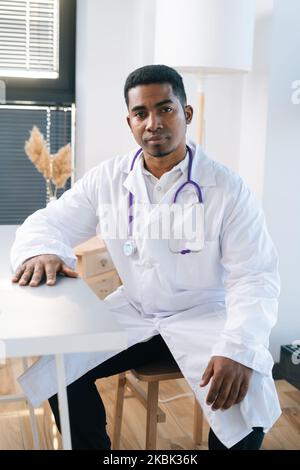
(62,166)
(37,151)
(57,168)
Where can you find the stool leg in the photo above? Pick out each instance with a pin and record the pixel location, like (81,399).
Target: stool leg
(198,423)
(152,404)
(118,412)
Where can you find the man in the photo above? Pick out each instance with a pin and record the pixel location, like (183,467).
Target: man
(212,307)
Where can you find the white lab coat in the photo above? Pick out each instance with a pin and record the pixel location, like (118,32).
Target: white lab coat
(221,301)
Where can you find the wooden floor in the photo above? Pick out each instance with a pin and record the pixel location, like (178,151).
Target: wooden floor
(175,433)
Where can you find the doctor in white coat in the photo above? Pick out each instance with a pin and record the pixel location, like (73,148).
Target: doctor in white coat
(210,303)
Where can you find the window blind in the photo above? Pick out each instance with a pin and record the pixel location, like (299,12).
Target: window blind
(29,38)
(22,187)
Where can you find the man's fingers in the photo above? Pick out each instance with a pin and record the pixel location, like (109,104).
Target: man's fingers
(232,397)
(37,275)
(242,392)
(208,373)
(47,264)
(214,389)
(50,270)
(229,384)
(18,274)
(33,273)
(26,276)
(68,271)
(222,396)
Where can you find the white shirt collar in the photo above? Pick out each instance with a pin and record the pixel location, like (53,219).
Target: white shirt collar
(179,167)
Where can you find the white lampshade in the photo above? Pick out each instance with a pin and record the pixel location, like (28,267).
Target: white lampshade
(209,36)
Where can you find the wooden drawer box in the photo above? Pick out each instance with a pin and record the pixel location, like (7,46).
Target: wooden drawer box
(97,263)
(95,266)
(104,284)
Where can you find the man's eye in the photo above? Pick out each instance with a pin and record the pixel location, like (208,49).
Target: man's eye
(140,114)
(168,109)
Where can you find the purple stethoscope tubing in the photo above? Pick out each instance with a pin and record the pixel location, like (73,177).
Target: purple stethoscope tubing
(188,181)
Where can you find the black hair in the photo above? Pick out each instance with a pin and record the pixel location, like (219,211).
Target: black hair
(156,74)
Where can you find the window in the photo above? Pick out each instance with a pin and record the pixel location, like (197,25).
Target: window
(37,65)
(37,50)
(29,33)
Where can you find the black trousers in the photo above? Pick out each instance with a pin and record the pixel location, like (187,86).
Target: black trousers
(87,412)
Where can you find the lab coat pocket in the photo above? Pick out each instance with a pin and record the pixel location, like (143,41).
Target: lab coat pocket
(199,269)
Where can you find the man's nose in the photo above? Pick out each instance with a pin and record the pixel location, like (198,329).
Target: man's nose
(154,122)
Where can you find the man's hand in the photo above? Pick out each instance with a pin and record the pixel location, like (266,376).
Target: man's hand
(34,269)
(230,382)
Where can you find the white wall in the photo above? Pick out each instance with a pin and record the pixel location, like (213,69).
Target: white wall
(281,195)
(223,119)
(254,104)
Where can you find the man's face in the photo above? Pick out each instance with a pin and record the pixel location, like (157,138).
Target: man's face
(157,119)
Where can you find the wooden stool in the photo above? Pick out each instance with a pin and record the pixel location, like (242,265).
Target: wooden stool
(152,374)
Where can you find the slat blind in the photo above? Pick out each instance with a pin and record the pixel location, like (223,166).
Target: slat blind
(29,38)
(22,187)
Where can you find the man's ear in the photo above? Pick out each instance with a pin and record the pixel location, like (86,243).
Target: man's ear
(188,111)
(128,121)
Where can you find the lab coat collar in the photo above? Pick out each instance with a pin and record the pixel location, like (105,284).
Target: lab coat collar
(135,182)
(203,172)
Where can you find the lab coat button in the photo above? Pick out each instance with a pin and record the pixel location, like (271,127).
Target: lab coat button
(148,265)
(158,188)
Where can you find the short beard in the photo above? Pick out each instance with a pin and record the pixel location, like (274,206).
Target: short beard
(159,153)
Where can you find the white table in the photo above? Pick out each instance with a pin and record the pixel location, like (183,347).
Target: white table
(65,318)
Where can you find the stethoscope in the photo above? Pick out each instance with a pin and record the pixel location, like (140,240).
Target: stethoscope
(130,247)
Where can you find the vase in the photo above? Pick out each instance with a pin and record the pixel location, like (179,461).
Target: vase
(50,192)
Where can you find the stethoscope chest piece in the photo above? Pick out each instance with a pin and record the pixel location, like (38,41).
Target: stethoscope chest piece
(129,248)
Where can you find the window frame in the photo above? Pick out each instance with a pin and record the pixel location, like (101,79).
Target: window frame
(62,89)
